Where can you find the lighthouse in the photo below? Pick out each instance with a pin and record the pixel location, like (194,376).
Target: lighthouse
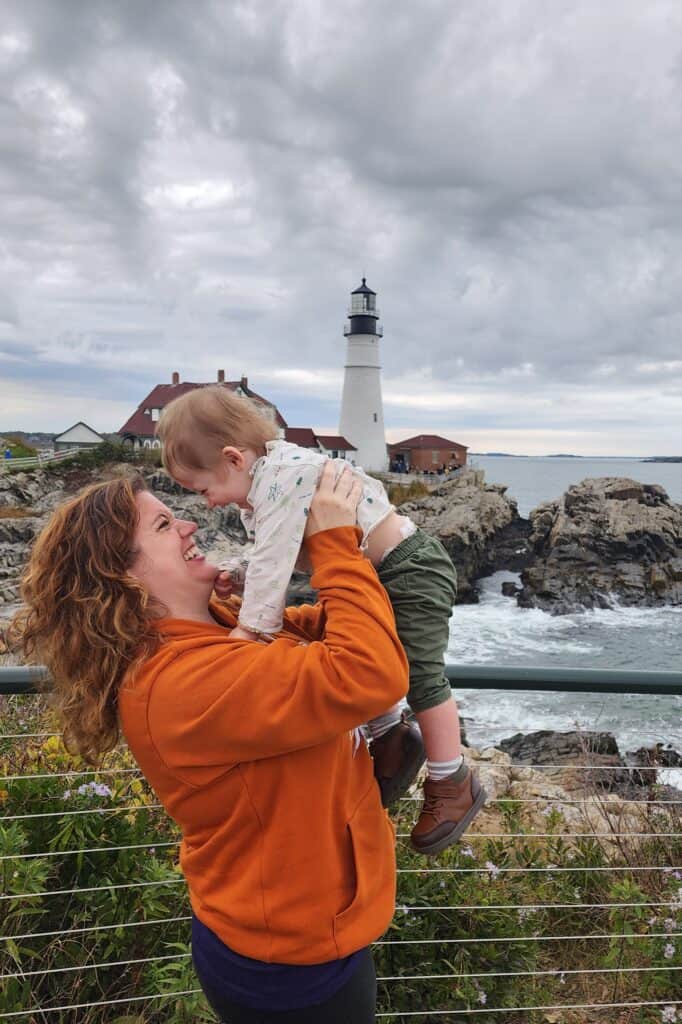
(362,414)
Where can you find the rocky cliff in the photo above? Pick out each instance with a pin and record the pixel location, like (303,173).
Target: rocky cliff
(606,541)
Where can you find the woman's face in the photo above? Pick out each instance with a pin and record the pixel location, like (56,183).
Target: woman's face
(167,560)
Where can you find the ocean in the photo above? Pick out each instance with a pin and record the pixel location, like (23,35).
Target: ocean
(496,631)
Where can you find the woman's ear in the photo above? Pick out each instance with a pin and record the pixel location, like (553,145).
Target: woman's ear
(235,456)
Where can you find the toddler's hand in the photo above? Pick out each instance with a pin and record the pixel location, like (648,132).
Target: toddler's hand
(222,585)
(239,633)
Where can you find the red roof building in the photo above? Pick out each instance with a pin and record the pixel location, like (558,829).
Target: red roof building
(139,429)
(330,444)
(304,437)
(427,452)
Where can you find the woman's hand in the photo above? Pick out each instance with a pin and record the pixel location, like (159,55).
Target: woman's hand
(335,501)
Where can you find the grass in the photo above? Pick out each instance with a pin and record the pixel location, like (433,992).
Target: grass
(400,493)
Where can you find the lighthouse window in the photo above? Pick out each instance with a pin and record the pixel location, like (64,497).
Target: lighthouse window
(375,417)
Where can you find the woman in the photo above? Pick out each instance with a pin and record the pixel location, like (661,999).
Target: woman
(251,748)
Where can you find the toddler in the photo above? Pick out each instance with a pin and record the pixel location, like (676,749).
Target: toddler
(218,444)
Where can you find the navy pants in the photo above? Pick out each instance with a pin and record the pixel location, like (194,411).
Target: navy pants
(355,1002)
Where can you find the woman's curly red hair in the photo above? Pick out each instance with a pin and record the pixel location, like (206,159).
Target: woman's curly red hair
(85,617)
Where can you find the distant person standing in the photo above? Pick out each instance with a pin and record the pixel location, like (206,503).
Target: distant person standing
(8,452)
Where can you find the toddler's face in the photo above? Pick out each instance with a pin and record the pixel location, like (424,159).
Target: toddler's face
(223,484)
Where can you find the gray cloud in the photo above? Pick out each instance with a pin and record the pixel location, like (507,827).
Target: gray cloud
(187,187)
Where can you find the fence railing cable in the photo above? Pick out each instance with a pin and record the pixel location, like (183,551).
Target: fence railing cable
(638,909)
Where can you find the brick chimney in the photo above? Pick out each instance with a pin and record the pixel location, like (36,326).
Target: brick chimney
(175,378)
(244,383)
(221,376)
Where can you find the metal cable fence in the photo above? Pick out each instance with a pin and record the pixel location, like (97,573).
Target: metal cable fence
(562,903)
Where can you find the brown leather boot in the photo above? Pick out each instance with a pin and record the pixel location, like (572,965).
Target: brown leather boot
(398,756)
(449,808)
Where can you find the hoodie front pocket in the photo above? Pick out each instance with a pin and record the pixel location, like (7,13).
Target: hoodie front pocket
(372,850)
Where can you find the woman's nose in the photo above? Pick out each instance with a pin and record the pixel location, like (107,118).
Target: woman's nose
(186,527)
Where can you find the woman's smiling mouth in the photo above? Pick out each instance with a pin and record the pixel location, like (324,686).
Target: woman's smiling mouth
(192,553)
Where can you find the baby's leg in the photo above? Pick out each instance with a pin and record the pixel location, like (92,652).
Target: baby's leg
(421,582)
(386,535)
(397,745)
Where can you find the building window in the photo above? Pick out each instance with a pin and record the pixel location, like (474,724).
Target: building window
(435,457)
(375,417)
(155,414)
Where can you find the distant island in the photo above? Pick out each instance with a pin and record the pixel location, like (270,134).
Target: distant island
(509,455)
(664,458)
(35,437)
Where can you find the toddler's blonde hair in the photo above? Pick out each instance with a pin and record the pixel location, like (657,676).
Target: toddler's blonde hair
(195,428)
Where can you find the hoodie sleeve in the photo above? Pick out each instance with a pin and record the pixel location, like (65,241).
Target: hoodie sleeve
(229,701)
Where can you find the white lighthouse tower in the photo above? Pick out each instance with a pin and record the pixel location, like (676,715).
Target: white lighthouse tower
(362,414)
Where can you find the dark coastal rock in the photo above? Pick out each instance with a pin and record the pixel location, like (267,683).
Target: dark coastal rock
(608,770)
(479,526)
(549,747)
(607,541)
(660,754)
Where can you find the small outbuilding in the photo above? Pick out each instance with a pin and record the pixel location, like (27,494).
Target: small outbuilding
(427,453)
(336,446)
(77,437)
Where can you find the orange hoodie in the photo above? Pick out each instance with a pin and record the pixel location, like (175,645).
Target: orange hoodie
(288,854)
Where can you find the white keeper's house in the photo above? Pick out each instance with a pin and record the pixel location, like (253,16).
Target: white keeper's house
(77,437)
(139,430)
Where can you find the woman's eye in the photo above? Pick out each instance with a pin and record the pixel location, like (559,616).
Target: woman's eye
(163,523)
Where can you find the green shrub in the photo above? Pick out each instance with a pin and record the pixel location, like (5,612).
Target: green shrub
(425,937)
(20,449)
(105,454)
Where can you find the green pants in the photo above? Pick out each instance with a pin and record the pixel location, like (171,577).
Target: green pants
(421,582)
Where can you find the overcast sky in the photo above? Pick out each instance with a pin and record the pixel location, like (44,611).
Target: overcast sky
(193,186)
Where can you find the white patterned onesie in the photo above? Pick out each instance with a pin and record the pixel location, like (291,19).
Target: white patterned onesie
(284,482)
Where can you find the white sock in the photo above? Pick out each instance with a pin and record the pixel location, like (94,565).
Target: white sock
(439,770)
(380,725)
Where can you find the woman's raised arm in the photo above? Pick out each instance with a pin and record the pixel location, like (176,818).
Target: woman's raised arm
(225,701)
